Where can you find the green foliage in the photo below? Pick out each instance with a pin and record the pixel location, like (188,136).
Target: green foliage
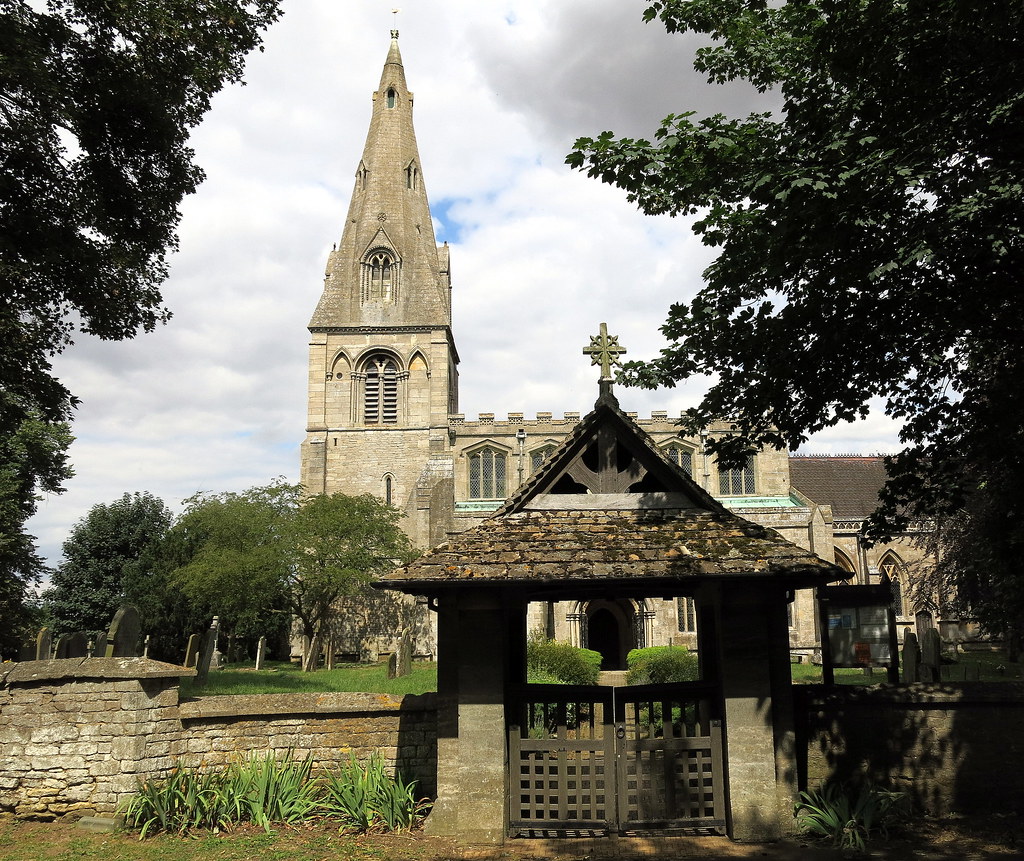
(33,460)
(658,665)
(265,790)
(849,817)
(109,559)
(365,797)
(567,664)
(97,101)
(872,224)
(274,547)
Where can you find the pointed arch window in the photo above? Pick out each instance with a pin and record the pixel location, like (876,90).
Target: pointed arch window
(538,456)
(412,176)
(487,469)
(681,456)
(392,97)
(380,395)
(892,567)
(380,277)
(389,488)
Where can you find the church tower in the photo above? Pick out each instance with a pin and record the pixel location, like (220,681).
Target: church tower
(383,375)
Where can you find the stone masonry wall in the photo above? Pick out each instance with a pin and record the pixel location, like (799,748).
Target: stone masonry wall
(77,735)
(953,747)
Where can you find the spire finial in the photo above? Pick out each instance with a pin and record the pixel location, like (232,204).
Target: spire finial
(394,31)
(604,350)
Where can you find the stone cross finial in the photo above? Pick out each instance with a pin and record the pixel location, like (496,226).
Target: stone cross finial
(604,350)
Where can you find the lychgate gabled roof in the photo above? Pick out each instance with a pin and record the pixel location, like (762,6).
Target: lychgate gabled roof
(608,513)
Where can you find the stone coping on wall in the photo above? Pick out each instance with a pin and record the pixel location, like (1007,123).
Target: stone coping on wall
(89,668)
(252,705)
(910,695)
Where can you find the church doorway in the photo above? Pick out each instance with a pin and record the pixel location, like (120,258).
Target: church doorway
(611,631)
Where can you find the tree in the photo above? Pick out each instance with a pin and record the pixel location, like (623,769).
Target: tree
(275,547)
(109,559)
(96,103)
(32,460)
(869,233)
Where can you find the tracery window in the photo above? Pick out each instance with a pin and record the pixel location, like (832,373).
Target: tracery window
(380,394)
(681,456)
(380,277)
(487,474)
(892,568)
(538,456)
(737,482)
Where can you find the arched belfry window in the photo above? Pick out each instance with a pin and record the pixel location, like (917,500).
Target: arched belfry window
(487,470)
(380,395)
(412,176)
(380,277)
(392,97)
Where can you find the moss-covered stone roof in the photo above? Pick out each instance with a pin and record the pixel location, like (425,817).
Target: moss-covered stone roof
(660,549)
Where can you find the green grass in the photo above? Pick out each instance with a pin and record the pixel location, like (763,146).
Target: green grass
(287,678)
(988,661)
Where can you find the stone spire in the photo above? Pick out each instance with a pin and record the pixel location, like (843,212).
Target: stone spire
(387,270)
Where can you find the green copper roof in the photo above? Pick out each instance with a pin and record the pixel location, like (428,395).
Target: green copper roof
(760,502)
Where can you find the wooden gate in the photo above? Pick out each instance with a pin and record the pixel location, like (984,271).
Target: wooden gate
(632,759)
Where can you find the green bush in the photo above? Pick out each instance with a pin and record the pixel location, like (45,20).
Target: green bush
(567,664)
(659,665)
(849,816)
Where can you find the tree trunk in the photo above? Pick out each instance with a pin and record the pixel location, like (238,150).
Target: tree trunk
(311,659)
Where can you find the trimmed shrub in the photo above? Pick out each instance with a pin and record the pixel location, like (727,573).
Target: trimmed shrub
(567,664)
(659,665)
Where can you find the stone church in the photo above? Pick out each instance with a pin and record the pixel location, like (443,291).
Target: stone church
(383,418)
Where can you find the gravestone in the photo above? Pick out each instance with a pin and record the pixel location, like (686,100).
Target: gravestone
(911,657)
(400,661)
(192,650)
(60,648)
(27,652)
(931,656)
(99,646)
(207,652)
(78,645)
(43,645)
(145,647)
(261,652)
(123,634)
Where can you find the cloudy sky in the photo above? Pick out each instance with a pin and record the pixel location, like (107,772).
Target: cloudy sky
(541,255)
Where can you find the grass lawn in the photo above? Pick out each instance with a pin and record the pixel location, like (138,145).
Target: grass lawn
(992,667)
(287,678)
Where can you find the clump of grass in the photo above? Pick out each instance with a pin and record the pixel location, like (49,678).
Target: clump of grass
(266,791)
(849,817)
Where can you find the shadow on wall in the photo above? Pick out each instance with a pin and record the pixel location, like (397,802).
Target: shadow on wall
(942,743)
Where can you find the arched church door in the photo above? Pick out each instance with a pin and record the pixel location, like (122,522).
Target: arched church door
(610,631)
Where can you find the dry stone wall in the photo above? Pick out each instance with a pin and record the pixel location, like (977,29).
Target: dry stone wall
(77,735)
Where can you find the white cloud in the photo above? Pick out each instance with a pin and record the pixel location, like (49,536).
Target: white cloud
(215,400)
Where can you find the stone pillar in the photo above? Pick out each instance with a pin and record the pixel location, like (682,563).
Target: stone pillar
(473,664)
(753,658)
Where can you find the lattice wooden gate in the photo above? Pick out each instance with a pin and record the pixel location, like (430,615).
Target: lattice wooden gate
(630,759)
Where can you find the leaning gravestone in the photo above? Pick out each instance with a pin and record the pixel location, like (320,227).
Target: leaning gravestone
(123,634)
(400,661)
(261,652)
(911,657)
(99,646)
(43,645)
(206,653)
(192,650)
(931,655)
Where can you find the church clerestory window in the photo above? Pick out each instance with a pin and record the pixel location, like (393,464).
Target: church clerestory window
(487,474)
(737,482)
(681,456)
(380,396)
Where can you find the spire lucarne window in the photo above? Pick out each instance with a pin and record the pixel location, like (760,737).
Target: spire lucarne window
(380,277)
(380,396)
